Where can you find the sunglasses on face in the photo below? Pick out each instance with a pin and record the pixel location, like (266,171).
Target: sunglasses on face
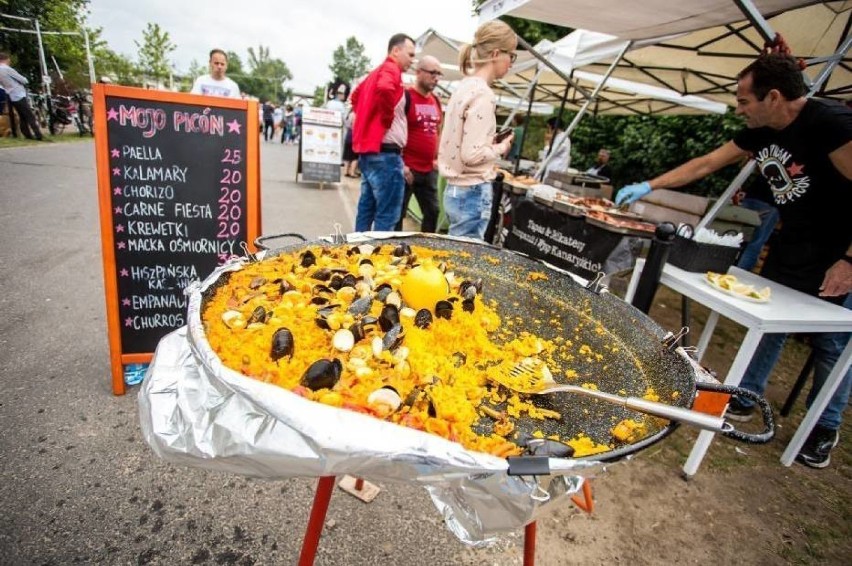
(433,73)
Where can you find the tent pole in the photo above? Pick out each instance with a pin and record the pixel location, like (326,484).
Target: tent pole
(526,127)
(726,196)
(585,107)
(522,42)
(829,67)
(559,116)
(45,77)
(756,19)
(598,88)
(89,57)
(530,93)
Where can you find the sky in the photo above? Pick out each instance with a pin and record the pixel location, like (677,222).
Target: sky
(302,33)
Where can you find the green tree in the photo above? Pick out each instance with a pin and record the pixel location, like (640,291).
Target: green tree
(185,80)
(235,64)
(154,52)
(196,69)
(645,146)
(266,75)
(118,67)
(319,97)
(533,31)
(349,61)
(52,15)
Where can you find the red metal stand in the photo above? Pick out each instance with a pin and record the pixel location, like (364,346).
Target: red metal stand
(322,498)
(529,544)
(587,504)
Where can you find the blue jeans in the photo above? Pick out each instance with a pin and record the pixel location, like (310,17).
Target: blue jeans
(769,216)
(827,348)
(468,209)
(382,189)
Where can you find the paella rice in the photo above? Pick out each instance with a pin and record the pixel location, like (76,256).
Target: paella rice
(331,324)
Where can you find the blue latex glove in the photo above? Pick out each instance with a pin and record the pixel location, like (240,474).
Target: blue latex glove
(632,193)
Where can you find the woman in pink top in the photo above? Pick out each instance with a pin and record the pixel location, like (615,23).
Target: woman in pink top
(468,151)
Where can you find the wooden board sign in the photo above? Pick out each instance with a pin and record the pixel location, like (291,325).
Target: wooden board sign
(178,191)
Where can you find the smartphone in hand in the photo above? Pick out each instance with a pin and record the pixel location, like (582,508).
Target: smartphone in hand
(502,134)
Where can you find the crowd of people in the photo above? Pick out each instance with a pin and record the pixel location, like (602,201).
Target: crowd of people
(803,148)
(280,122)
(400,139)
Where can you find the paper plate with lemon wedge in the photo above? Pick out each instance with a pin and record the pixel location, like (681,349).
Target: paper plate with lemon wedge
(729,284)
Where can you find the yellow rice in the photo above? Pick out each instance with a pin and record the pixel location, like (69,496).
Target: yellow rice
(457,387)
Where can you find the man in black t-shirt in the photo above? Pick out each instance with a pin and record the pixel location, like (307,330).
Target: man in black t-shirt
(803,148)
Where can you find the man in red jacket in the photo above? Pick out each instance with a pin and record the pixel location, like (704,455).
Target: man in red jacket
(378,136)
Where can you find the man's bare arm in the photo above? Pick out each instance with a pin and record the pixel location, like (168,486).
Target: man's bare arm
(699,167)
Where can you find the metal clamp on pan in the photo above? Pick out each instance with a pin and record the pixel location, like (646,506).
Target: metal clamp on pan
(250,256)
(671,339)
(597,285)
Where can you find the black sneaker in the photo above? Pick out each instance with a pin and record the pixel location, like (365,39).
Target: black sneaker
(739,412)
(816,452)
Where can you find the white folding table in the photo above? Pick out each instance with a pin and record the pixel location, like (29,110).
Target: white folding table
(787,311)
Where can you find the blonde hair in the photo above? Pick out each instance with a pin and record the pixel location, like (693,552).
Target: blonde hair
(490,36)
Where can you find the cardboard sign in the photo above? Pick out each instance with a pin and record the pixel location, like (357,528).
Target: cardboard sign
(321,145)
(178,190)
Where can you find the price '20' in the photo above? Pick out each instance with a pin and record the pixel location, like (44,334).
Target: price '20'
(230,211)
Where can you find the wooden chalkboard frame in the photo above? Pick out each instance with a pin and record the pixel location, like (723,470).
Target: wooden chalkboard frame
(253,219)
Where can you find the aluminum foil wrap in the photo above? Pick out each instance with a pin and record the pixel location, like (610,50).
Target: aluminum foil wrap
(197,412)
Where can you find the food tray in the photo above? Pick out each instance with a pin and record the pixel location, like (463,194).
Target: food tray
(543,200)
(568,208)
(623,215)
(518,188)
(618,229)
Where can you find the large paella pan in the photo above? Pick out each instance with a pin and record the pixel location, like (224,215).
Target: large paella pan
(198,410)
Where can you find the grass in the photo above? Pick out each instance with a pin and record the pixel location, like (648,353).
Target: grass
(64,137)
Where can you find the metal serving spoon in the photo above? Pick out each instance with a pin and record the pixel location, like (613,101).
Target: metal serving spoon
(528,379)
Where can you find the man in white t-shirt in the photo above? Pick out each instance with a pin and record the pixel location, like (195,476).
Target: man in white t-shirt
(216,83)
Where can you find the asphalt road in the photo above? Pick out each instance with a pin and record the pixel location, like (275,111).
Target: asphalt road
(79,485)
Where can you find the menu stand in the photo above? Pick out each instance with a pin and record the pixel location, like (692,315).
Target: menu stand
(322,498)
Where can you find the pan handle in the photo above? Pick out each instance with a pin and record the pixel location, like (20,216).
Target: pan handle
(765,411)
(260,241)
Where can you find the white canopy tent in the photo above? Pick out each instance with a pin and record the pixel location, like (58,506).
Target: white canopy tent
(632,19)
(576,50)
(723,37)
(706,61)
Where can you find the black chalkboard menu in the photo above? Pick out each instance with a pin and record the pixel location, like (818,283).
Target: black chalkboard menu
(178,187)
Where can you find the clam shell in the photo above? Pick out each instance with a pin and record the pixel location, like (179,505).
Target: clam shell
(343,340)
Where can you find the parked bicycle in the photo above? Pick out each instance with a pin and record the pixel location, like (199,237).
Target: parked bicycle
(62,111)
